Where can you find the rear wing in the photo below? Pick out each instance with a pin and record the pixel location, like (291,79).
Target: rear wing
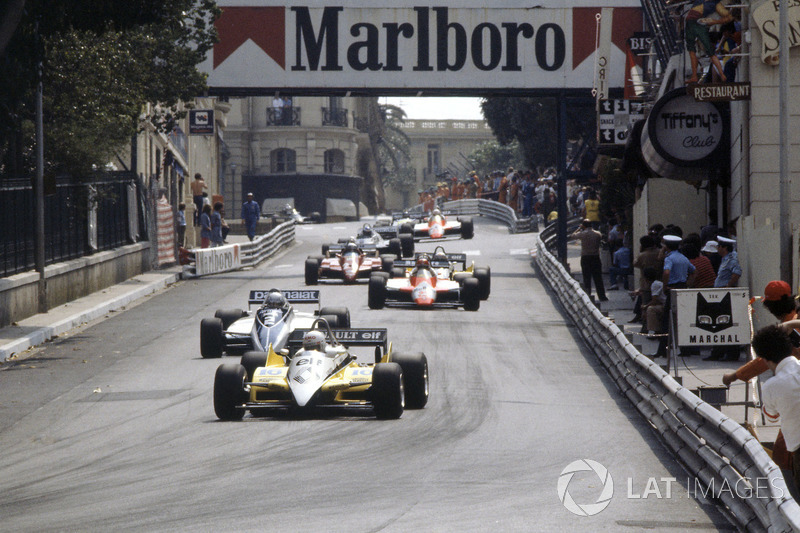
(302,296)
(348,337)
(366,248)
(387,232)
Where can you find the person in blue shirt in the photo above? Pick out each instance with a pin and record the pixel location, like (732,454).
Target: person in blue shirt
(205,226)
(250,215)
(729,270)
(216,225)
(678,273)
(621,268)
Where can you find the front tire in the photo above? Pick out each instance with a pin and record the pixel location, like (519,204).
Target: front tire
(252,361)
(467,228)
(388,395)
(229,391)
(312,271)
(398,272)
(471,293)
(342,315)
(407,244)
(484,277)
(395,248)
(212,338)
(376,295)
(229,316)
(415,378)
(387,262)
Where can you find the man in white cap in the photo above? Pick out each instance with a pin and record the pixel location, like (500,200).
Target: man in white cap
(678,272)
(250,215)
(727,276)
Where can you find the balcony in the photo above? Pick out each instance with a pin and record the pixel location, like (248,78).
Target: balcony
(283,116)
(334,117)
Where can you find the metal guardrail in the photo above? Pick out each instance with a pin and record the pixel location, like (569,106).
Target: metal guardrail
(716,449)
(489,208)
(253,253)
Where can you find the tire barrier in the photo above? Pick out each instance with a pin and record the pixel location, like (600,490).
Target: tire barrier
(714,448)
(235,256)
(488,208)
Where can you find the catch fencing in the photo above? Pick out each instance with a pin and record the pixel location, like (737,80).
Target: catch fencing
(714,448)
(488,208)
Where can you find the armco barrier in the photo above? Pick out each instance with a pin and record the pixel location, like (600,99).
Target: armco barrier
(252,253)
(488,208)
(721,454)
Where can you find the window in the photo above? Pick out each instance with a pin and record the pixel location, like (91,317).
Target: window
(434,162)
(334,162)
(282,160)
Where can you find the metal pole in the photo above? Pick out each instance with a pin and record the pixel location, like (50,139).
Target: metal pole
(785,210)
(561,222)
(39,188)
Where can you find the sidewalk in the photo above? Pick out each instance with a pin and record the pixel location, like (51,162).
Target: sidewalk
(692,370)
(38,329)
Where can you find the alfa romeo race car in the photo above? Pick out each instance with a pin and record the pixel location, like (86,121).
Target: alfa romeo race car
(235,331)
(383,240)
(437,226)
(448,266)
(421,287)
(323,373)
(347,263)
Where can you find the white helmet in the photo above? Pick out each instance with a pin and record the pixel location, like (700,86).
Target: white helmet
(314,340)
(436,212)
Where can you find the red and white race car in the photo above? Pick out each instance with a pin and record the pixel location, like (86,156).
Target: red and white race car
(436,226)
(423,287)
(347,263)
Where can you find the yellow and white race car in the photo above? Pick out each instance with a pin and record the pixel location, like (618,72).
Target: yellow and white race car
(317,370)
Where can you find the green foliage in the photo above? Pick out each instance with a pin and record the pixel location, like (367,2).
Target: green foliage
(104,60)
(492,155)
(394,150)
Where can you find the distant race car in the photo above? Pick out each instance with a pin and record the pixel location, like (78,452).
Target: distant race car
(422,287)
(437,226)
(346,262)
(288,212)
(384,240)
(235,331)
(323,373)
(448,266)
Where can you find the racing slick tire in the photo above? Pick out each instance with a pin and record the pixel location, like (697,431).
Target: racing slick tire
(312,271)
(415,378)
(253,360)
(484,277)
(229,316)
(387,262)
(229,391)
(342,315)
(315,217)
(460,277)
(388,396)
(407,228)
(376,295)
(212,338)
(398,272)
(467,228)
(471,294)
(325,249)
(395,248)
(407,244)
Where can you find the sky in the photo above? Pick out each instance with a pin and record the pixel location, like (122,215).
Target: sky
(437,108)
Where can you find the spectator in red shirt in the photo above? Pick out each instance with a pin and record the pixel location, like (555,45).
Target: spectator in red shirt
(704,275)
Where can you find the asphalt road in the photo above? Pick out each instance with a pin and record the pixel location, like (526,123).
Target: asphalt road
(112,428)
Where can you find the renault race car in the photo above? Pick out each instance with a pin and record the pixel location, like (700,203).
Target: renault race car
(452,266)
(323,373)
(235,331)
(383,240)
(347,263)
(437,226)
(422,287)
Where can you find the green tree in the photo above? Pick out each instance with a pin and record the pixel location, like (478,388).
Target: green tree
(394,150)
(492,155)
(104,60)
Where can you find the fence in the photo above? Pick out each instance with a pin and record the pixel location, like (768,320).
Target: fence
(491,209)
(80,218)
(717,450)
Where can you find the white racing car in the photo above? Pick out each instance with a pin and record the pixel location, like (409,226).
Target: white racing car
(235,331)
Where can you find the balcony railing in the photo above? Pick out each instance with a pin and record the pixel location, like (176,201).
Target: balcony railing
(334,117)
(361,123)
(283,116)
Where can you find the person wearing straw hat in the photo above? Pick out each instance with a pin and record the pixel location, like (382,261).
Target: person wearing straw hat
(711,251)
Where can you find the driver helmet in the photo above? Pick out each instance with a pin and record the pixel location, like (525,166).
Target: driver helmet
(314,340)
(367,230)
(275,300)
(351,246)
(423,261)
(436,212)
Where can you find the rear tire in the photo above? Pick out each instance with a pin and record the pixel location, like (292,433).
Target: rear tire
(388,397)
(325,249)
(407,228)
(229,392)
(376,295)
(253,360)
(407,244)
(212,338)
(229,316)
(460,277)
(415,378)
(484,277)
(398,272)
(312,271)
(342,315)
(471,293)
(395,248)
(387,262)
(467,228)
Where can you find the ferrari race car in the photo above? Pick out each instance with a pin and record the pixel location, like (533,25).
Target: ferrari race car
(236,331)
(448,266)
(423,287)
(323,373)
(347,263)
(436,226)
(383,240)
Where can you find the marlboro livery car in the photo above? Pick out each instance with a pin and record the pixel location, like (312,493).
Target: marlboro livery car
(347,263)
(323,373)
(236,331)
(448,266)
(422,287)
(438,227)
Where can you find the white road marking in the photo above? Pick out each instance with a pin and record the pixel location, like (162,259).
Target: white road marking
(471,252)
(283,266)
(519,251)
(306,228)
(339,228)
